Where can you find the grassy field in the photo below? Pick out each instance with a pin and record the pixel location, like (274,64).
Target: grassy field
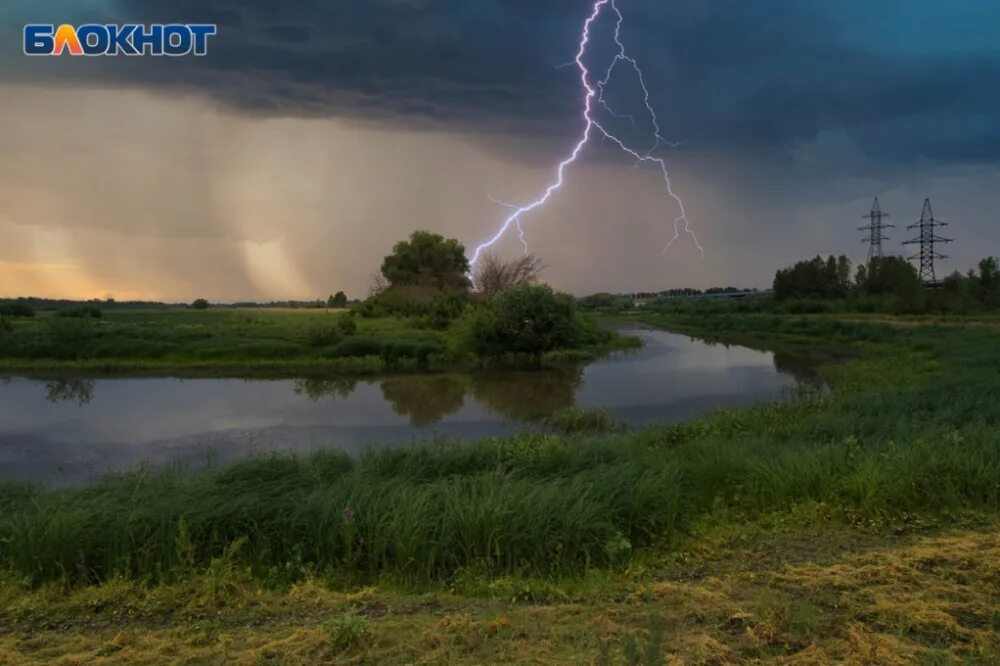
(246,342)
(854,524)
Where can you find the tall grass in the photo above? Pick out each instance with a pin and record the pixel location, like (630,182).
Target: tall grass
(910,428)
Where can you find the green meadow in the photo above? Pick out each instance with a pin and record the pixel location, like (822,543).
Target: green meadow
(250,342)
(855,522)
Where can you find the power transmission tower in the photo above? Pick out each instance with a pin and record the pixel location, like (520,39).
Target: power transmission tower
(874,229)
(927,239)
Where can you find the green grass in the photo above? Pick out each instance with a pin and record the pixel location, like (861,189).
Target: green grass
(240,341)
(908,430)
(854,524)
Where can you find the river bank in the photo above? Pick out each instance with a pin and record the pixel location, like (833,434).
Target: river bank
(875,496)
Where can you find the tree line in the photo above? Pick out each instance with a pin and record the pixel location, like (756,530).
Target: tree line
(892,280)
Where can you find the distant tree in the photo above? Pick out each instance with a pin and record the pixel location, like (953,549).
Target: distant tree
(427,260)
(890,276)
(200,304)
(814,278)
(16,309)
(495,274)
(338,300)
(989,282)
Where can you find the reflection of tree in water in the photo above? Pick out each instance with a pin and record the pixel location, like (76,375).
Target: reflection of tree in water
(525,395)
(425,399)
(799,366)
(803,364)
(320,387)
(63,390)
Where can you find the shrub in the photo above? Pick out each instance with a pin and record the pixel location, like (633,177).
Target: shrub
(322,335)
(347,630)
(402,301)
(527,319)
(357,347)
(395,352)
(17,310)
(6,325)
(200,304)
(443,308)
(70,329)
(82,312)
(347,326)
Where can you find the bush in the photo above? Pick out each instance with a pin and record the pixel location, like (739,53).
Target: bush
(82,312)
(200,304)
(400,301)
(6,325)
(395,352)
(322,335)
(529,319)
(70,329)
(356,347)
(16,310)
(347,326)
(443,308)
(347,630)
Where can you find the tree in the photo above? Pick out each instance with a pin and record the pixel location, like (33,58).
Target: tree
(814,278)
(890,276)
(989,281)
(378,284)
(494,274)
(200,304)
(427,260)
(338,300)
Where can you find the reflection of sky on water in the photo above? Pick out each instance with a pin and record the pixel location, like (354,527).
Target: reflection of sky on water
(70,429)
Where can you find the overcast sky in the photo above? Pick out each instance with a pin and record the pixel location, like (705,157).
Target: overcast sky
(315,134)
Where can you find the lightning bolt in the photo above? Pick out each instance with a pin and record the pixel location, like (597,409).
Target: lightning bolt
(591,126)
(517,220)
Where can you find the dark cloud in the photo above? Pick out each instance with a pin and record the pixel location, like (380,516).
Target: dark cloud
(763,75)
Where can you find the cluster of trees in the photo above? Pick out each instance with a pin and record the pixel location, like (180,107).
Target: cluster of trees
(428,277)
(338,300)
(888,283)
(814,278)
(973,289)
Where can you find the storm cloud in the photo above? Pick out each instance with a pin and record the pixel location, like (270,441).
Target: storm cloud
(323,123)
(764,75)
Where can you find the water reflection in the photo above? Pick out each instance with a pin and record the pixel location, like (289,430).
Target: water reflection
(80,391)
(317,388)
(527,395)
(425,399)
(72,429)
